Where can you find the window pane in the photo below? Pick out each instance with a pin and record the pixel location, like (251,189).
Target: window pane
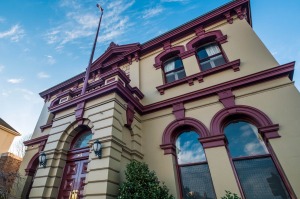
(244,140)
(169,66)
(180,74)
(83,140)
(202,54)
(178,63)
(189,149)
(219,60)
(170,77)
(196,182)
(205,65)
(259,179)
(212,49)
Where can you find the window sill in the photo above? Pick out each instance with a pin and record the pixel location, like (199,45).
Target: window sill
(234,65)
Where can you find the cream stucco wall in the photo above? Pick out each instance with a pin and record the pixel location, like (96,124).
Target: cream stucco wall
(7,136)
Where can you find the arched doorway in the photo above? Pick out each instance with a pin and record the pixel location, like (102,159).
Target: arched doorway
(76,166)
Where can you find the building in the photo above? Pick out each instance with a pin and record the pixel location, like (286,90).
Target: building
(205,105)
(7,134)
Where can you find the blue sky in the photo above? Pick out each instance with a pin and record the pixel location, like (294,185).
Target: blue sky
(43,43)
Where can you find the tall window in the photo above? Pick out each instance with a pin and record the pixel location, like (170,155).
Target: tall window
(210,56)
(254,166)
(83,140)
(192,165)
(173,69)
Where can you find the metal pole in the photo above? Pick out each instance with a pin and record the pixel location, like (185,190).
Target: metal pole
(86,78)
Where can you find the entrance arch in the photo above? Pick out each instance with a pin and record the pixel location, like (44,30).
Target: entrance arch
(75,170)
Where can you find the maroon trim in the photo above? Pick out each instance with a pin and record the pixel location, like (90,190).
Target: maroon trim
(262,76)
(179,111)
(79,110)
(167,54)
(227,98)
(198,76)
(46,126)
(175,128)
(136,49)
(270,131)
(129,115)
(215,35)
(38,140)
(213,141)
(32,165)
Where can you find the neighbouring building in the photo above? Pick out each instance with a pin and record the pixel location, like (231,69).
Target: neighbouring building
(7,135)
(205,105)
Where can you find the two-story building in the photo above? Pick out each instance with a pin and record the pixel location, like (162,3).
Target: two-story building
(205,105)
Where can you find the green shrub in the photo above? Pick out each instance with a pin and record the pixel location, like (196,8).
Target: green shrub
(230,195)
(141,183)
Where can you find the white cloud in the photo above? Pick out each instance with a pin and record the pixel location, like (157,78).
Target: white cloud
(1,68)
(152,12)
(82,24)
(50,60)
(43,75)
(174,1)
(14,80)
(15,33)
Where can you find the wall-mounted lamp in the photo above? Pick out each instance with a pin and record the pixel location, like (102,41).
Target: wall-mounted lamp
(43,159)
(97,149)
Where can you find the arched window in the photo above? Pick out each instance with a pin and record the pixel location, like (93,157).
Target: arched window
(83,140)
(256,171)
(193,168)
(210,56)
(173,69)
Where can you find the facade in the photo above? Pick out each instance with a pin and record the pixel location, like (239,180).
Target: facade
(7,134)
(205,105)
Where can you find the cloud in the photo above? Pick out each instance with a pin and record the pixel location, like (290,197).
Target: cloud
(2,19)
(169,1)
(15,33)
(152,12)
(1,68)
(14,81)
(81,24)
(50,60)
(43,75)
(27,94)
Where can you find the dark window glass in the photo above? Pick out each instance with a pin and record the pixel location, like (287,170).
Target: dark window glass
(174,70)
(195,176)
(260,179)
(83,140)
(210,56)
(196,182)
(255,168)
(244,140)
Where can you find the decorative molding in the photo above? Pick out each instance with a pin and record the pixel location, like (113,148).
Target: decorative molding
(166,54)
(215,35)
(175,128)
(199,30)
(32,165)
(129,115)
(262,76)
(43,127)
(38,140)
(227,98)
(167,45)
(179,111)
(213,141)
(198,76)
(228,17)
(270,132)
(79,110)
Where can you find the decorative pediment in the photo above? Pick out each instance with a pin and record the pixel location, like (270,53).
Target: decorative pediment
(115,53)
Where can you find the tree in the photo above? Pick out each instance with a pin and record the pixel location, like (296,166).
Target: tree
(230,195)
(7,180)
(141,183)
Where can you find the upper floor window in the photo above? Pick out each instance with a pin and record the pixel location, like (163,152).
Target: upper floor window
(173,69)
(193,169)
(256,171)
(210,56)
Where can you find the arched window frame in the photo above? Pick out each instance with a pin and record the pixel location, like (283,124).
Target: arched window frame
(265,127)
(168,54)
(203,39)
(74,140)
(171,133)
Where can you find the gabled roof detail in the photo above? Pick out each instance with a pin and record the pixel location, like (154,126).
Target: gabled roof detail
(115,53)
(4,124)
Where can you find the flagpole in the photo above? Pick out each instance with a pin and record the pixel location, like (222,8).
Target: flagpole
(86,77)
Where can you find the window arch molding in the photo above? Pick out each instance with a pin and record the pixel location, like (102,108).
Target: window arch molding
(167,54)
(175,128)
(215,35)
(258,118)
